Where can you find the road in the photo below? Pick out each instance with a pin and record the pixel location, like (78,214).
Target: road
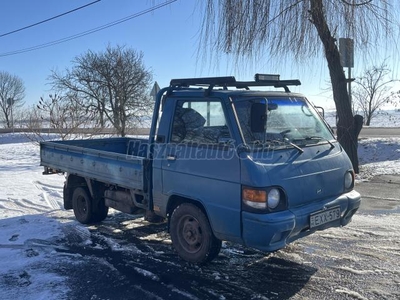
(380,132)
(128,258)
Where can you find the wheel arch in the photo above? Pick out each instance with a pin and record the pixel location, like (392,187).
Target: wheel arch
(72,182)
(175,200)
(94,190)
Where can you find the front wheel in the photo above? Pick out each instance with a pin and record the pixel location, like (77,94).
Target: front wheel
(192,236)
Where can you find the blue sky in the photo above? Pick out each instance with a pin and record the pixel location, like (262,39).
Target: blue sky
(168,37)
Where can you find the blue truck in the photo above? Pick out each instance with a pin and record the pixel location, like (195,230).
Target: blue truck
(248,162)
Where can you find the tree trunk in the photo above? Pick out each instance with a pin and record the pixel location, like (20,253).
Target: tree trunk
(8,122)
(100,109)
(368,121)
(346,131)
(123,118)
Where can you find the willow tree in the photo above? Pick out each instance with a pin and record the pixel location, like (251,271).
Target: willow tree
(302,29)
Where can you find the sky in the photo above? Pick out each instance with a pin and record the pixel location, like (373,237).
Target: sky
(168,37)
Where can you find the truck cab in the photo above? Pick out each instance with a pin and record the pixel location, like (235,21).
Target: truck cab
(262,167)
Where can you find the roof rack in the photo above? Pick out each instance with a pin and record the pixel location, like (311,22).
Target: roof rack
(230,81)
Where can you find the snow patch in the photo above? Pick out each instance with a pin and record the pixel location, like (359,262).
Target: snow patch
(147,274)
(358,272)
(350,293)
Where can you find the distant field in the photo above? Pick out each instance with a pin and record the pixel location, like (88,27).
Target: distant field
(383,118)
(95,131)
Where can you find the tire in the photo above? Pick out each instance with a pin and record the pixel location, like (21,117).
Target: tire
(214,251)
(82,205)
(192,236)
(99,211)
(99,208)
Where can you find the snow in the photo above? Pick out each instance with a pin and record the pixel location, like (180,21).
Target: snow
(352,294)
(382,118)
(146,273)
(378,156)
(29,223)
(32,219)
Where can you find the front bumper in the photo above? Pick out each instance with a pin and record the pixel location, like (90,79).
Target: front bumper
(270,232)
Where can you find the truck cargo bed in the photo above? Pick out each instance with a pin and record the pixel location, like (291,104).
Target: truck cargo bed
(116,161)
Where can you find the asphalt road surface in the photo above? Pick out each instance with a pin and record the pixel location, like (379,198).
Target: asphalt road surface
(379,132)
(128,258)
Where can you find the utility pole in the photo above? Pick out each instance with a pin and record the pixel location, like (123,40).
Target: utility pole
(346,49)
(10,102)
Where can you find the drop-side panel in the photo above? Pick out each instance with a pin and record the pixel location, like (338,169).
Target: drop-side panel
(114,166)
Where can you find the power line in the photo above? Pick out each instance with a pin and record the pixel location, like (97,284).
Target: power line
(72,37)
(47,20)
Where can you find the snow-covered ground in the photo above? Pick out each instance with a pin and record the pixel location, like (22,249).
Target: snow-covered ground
(32,220)
(378,156)
(30,214)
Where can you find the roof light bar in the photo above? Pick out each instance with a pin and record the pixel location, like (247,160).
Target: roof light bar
(266,77)
(203,81)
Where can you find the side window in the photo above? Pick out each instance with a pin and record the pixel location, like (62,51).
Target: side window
(199,122)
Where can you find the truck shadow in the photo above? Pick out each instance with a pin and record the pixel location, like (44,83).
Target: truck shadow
(129,258)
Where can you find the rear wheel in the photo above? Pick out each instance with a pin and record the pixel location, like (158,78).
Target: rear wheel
(99,208)
(99,211)
(82,205)
(192,236)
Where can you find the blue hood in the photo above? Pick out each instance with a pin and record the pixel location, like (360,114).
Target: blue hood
(316,174)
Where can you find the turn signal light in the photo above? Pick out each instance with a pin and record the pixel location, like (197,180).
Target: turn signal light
(254,195)
(254,198)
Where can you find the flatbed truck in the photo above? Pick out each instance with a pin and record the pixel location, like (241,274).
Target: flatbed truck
(225,160)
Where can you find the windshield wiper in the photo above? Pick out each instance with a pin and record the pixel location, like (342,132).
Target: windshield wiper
(284,141)
(316,138)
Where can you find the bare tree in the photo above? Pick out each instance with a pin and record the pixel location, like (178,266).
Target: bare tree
(302,28)
(114,84)
(59,116)
(62,115)
(12,92)
(373,91)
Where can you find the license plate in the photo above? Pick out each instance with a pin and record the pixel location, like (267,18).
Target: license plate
(323,217)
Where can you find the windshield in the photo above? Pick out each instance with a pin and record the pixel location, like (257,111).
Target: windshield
(291,122)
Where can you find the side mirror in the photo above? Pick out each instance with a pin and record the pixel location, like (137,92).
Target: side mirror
(321,111)
(258,118)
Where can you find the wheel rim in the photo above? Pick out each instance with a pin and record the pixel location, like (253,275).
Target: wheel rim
(190,234)
(82,205)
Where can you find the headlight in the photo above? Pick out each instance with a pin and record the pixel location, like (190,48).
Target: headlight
(349,180)
(274,196)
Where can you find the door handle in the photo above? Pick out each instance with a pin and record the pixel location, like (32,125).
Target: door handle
(171,157)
